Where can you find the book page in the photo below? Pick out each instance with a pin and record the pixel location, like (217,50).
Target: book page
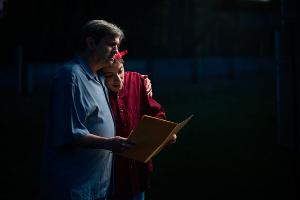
(150,135)
(176,130)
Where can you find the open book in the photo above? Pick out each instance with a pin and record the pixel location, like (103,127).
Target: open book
(150,136)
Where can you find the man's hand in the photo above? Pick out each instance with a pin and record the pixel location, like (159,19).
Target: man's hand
(119,144)
(148,85)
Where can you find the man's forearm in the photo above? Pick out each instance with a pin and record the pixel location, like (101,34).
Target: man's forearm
(93,141)
(115,144)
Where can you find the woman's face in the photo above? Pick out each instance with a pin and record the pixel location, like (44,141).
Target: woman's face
(114,76)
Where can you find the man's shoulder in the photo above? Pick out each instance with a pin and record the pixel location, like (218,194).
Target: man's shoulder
(69,70)
(72,66)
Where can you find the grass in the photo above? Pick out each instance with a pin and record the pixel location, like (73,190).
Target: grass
(228,150)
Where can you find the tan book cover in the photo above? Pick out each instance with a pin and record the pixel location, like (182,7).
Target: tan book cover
(150,136)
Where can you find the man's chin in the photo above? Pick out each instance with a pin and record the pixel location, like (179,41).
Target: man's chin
(117,89)
(108,63)
(111,60)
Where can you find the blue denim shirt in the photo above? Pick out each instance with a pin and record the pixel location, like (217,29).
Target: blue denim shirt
(78,106)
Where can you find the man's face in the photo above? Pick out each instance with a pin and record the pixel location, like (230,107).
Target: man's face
(114,76)
(105,50)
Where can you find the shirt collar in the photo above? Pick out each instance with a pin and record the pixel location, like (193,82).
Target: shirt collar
(86,68)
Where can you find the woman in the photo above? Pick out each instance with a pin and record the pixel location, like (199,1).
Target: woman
(130,100)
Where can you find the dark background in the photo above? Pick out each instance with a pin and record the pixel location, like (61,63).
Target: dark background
(234,64)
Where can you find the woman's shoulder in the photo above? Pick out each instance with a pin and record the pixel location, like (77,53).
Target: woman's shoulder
(133,80)
(133,77)
(133,74)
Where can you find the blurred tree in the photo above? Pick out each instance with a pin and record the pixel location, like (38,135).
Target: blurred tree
(48,30)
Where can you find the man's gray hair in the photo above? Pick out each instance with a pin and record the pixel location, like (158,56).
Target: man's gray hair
(99,29)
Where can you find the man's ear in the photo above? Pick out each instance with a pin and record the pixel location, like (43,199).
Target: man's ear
(90,42)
